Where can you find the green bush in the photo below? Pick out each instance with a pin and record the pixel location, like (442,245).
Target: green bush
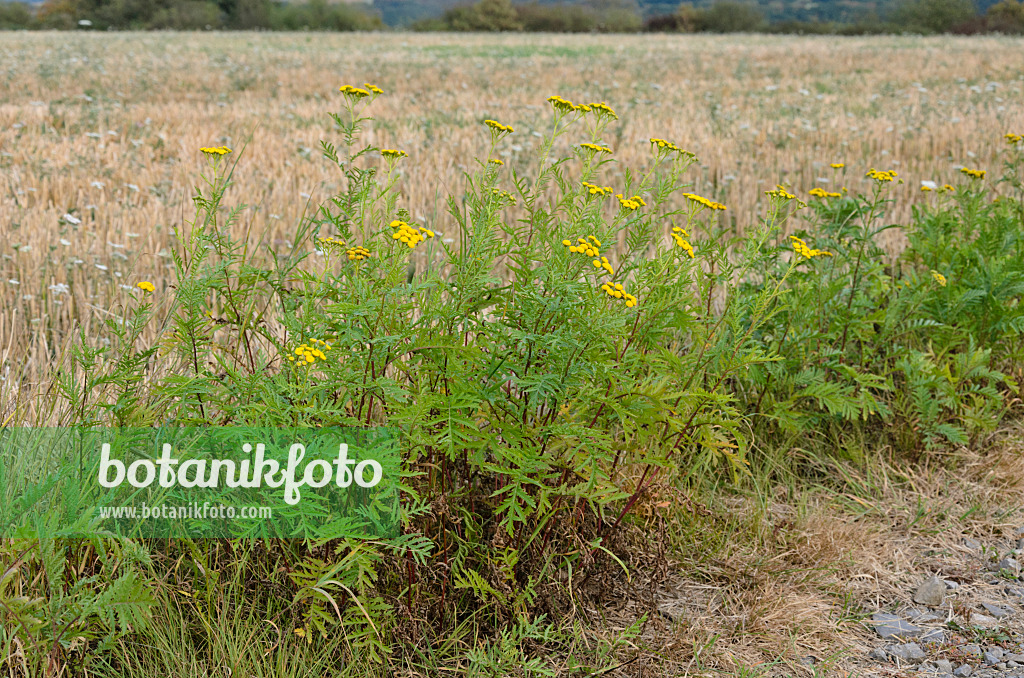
(15,15)
(932,16)
(730,16)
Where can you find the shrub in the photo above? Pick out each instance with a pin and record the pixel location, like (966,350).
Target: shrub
(729,16)
(932,16)
(14,15)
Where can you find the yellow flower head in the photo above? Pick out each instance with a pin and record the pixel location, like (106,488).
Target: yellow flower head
(146,286)
(357,253)
(939,278)
(409,235)
(497,128)
(215,150)
(593,189)
(781,193)
(373,89)
(595,148)
(603,110)
(679,235)
(837,165)
(565,106)
(589,246)
(495,161)
(881,176)
(503,196)
(354,93)
(1012,138)
(617,291)
(308,353)
(392,154)
(700,202)
(631,204)
(822,193)
(973,173)
(801,248)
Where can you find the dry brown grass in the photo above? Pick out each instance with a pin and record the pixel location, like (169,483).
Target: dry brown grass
(797,573)
(107,127)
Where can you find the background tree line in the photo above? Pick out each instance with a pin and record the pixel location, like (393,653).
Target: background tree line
(590,16)
(188,15)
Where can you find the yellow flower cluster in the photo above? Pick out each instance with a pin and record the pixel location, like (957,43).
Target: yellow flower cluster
(215,150)
(837,165)
(632,204)
(310,353)
(801,248)
(939,278)
(973,173)
(357,253)
(146,286)
(680,236)
(562,105)
(565,106)
(603,109)
(329,243)
(588,246)
(780,192)
(881,176)
(925,188)
(410,235)
(354,92)
(495,161)
(595,148)
(503,196)
(357,93)
(498,127)
(703,202)
(594,189)
(947,188)
(822,193)
(617,291)
(1012,138)
(392,154)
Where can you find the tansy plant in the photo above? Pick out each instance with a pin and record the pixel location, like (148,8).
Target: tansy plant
(562,341)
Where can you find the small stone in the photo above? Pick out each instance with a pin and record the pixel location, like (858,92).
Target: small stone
(1009,564)
(908,652)
(931,592)
(1001,666)
(972,544)
(950,584)
(997,652)
(963,671)
(933,636)
(972,649)
(995,610)
(943,666)
(889,626)
(879,654)
(1011,657)
(983,620)
(928,617)
(990,658)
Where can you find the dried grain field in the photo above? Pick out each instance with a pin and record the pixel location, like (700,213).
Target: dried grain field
(99,134)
